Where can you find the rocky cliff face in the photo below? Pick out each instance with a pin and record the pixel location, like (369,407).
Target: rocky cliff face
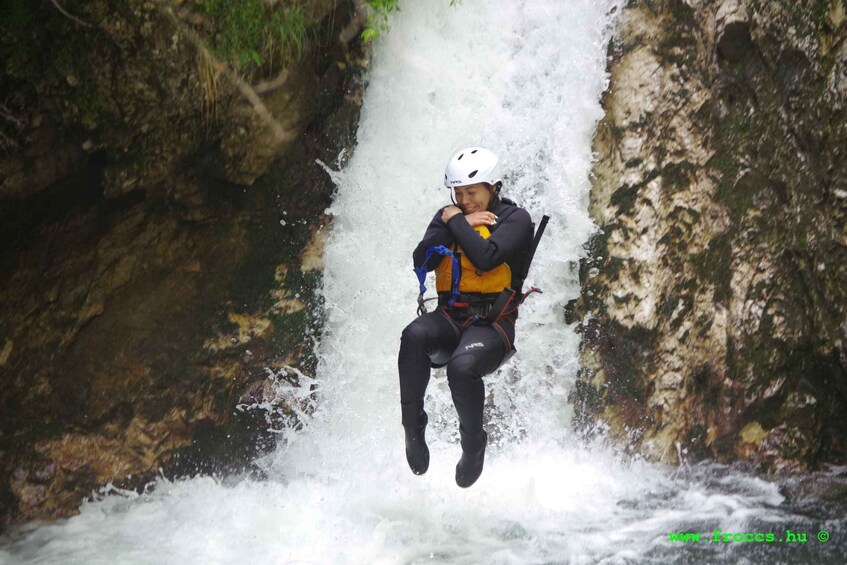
(161,218)
(714,301)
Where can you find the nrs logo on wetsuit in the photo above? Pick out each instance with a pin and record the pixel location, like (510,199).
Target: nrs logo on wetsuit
(471,279)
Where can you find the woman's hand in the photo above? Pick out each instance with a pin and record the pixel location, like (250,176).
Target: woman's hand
(449,212)
(481,219)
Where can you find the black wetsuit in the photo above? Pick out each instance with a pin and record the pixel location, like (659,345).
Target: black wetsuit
(470,347)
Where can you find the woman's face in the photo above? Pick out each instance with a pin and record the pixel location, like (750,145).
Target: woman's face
(474,197)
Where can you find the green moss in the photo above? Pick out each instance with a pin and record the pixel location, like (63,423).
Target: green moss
(247,30)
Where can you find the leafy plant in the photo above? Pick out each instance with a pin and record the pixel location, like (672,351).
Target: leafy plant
(378,16)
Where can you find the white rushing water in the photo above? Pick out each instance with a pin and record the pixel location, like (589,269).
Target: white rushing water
(524,78)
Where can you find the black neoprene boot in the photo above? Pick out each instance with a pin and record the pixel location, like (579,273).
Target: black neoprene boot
(417,453)
(469,467)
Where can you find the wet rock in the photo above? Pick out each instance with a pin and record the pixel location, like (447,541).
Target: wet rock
(716,308)
(144,286)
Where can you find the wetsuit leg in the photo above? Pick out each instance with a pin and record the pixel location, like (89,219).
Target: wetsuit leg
(428,335)
(480,351)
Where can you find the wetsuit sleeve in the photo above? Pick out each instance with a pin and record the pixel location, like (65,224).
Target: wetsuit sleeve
(436,234)
(511,237)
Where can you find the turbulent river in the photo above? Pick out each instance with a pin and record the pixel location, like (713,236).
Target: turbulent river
(524,78)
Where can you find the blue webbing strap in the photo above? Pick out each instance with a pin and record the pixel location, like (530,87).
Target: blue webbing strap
(421,272)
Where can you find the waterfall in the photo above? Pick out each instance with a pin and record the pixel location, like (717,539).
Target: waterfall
(524,79)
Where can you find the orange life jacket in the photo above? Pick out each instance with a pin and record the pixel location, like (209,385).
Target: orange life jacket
(472,279)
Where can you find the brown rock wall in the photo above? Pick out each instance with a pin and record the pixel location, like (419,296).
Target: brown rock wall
(162,244)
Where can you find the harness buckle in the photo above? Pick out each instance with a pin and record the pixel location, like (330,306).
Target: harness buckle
(503,301)
(471,308)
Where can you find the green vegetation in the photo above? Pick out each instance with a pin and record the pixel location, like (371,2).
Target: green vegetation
(378,16)
(248,29)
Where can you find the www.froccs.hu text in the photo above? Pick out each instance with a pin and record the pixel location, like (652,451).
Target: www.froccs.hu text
(748,537)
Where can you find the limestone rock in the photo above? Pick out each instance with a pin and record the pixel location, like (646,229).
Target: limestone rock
(715,316)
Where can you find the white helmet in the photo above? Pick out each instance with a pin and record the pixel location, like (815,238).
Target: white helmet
(470,166)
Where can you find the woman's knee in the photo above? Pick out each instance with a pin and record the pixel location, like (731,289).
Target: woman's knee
(415,333)
(425,330)
(461,369)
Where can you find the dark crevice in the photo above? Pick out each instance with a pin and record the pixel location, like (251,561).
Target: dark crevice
(20,220)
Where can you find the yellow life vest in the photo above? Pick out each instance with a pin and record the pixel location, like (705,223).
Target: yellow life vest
(472,280)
